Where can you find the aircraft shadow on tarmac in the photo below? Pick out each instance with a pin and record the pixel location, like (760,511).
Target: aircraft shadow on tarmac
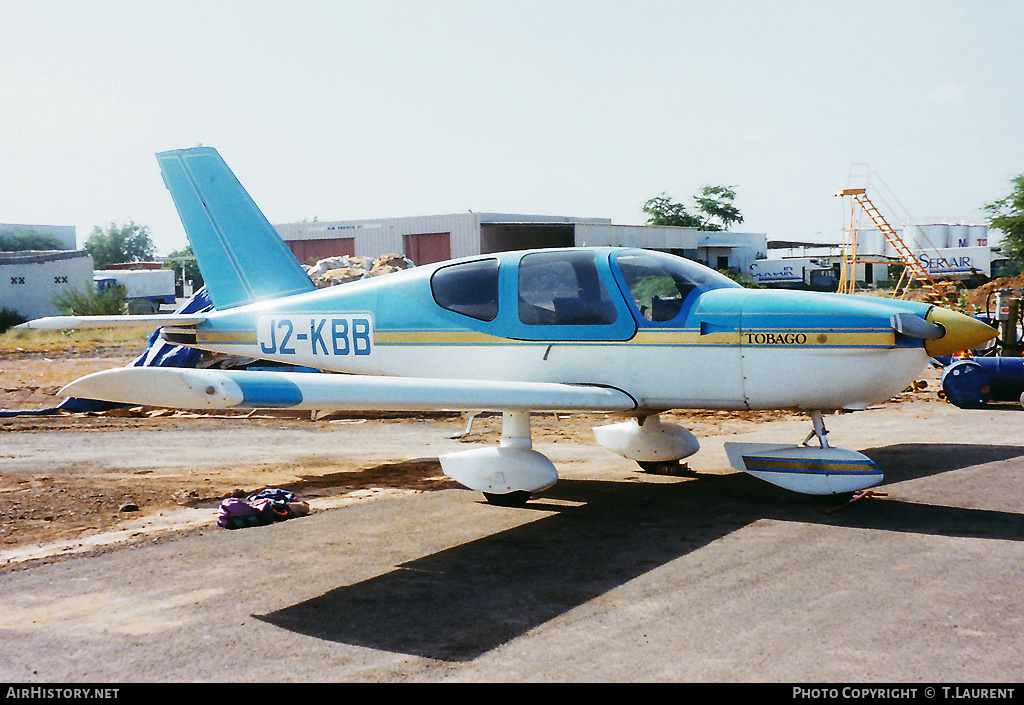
(911,461)
(460,603)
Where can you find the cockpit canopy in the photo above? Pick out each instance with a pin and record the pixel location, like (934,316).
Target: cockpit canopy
(578,287)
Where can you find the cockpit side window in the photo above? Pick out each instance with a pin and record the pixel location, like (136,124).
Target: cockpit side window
(469,288)
(660,284)
(563,289)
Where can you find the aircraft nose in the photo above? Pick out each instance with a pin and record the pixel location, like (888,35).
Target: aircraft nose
(961,332)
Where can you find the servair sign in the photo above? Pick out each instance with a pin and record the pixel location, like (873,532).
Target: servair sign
(956,261)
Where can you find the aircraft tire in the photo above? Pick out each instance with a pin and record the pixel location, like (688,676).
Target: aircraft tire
(516,498)
(659,467)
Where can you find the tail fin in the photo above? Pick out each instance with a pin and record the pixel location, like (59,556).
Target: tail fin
(241,256)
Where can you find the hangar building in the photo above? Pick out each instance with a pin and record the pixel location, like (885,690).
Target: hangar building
(428,239)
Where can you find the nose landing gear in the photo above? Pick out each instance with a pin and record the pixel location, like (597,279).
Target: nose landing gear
(804,468)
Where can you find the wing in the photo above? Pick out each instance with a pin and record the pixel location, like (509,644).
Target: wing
(227,389)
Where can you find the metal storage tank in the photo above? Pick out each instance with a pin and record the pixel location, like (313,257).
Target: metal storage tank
(913,237)
(871,242)
(934,236)
(959,236)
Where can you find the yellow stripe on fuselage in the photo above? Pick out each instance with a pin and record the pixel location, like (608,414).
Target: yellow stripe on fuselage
(770,338)
(830,338)
(438,337)
(226,337)
(660,338)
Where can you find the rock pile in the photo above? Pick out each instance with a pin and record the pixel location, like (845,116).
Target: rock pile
(347,268)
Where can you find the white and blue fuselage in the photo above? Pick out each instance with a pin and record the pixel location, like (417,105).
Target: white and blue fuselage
(719,346)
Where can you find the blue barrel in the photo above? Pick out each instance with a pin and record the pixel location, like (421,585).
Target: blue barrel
(967,384)
(970,384)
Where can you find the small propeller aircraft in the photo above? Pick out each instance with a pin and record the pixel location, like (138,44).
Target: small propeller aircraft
(629,331)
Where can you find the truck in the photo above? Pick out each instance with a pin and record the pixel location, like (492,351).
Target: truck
(146,289)
(812,273)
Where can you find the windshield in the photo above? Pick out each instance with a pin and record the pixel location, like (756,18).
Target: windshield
(660,284)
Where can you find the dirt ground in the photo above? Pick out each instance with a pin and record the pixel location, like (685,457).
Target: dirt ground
(94,499)
(980,298)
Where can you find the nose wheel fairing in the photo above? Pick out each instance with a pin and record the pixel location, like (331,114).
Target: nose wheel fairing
(818,471)
(500,470)
(807,469)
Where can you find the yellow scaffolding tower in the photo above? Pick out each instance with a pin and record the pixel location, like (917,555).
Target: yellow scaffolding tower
(935,291)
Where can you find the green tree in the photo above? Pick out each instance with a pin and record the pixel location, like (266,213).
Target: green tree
(183,262)
(715,202)
(1007,216)
(713,205)
(126,243)
(663,211)
(16,242)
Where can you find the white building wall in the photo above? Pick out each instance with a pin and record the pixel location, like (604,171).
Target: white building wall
(650,237)
(742,249)
(29,281)
(464,229)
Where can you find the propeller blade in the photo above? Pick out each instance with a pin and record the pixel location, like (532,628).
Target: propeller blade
(916,327)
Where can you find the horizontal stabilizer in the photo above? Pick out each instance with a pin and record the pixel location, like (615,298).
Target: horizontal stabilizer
(226,389)
(82,322)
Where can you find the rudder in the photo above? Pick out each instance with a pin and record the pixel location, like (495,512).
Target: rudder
(241,256)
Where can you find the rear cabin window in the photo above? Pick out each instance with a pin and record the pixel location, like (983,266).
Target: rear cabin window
(563,289)
(469,288)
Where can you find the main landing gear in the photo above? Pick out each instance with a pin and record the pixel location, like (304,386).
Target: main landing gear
(511,473)
(508,474)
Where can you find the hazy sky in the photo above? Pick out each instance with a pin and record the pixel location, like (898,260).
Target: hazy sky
(343,110)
